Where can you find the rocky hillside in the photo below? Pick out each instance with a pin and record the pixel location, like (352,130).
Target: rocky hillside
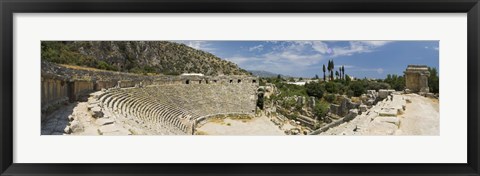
(159,57)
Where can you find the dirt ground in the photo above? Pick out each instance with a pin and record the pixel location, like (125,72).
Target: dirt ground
(421,117)
(256,126)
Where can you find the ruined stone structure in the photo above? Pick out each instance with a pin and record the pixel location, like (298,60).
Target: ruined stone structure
(416,78)
(172,104)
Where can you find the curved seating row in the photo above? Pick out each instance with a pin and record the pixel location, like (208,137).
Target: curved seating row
(174,109)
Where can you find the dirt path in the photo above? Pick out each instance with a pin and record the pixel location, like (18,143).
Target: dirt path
(421,116)
(255,126)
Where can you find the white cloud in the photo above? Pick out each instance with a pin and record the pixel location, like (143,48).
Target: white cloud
(256,48)
(358,47)
(349,66)
(200,45)
(286,57)
(376,43)
(378,70)
(433,47)
(319,46)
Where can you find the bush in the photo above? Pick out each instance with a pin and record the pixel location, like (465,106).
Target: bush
(315,89)
(321,108)
(330,98)
(331,87)
(372,85)
(357,88)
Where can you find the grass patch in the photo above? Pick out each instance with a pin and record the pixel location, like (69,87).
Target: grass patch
(201,133)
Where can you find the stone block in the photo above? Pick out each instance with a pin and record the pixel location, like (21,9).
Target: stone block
(430,95)
(392,120)
(363,108)
(104,121)
(67,130)
(76,127)
(97,112)
(388,112)
(382,93)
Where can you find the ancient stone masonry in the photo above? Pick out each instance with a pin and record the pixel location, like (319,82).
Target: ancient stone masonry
(416,78)
(176,108)
(165,104)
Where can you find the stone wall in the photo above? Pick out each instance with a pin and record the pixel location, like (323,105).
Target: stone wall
(416,78)
(53,92)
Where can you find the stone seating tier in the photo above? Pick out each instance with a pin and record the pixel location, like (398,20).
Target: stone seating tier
(174,109)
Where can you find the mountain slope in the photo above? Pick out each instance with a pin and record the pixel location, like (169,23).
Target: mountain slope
(138,57)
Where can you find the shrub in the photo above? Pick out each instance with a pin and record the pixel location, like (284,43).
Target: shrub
(321,108)
(357,88)
(330,98)
(315,89)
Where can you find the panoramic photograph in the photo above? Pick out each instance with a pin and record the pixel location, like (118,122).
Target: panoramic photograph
(240,88)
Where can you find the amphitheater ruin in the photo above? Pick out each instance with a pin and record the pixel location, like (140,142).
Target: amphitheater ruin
(96,102)
(166,104)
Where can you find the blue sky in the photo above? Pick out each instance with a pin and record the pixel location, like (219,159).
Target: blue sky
(371,59)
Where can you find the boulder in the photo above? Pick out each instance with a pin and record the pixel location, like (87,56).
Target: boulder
(363,108)
(430,95)
(75,127)
(67,130)
(407,91)
(97,112)
(382,93)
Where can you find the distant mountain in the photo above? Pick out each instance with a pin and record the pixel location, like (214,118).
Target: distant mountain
(265,74)
(141,57)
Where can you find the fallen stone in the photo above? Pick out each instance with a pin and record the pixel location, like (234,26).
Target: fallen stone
(104,121)
(70,118)
(407,91)
(388,112)
(382,93)
(75,127)
(363,108)
(108,128)
(430,95)
(97,112)
(392,120)
(67,130)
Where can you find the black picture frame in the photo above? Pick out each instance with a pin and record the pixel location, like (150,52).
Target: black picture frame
(9,7)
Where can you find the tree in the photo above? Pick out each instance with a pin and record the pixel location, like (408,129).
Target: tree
(347,79)
(330,68)
(433,80)
(340,72)
(337,74)
(279,77)
(316,76)
(343,72)
(324,72)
